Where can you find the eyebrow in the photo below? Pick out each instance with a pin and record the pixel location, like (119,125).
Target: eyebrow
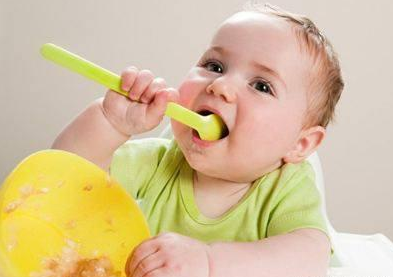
(256,65)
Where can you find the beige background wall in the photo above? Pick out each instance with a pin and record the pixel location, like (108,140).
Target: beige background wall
(37,98)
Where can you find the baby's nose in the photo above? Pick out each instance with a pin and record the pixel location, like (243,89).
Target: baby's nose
(223,89)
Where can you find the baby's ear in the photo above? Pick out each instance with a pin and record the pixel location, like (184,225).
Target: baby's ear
(308,142)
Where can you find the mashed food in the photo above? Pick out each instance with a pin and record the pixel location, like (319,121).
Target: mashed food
(70,264)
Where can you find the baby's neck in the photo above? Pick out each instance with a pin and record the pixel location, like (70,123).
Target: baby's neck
(215,196)
(214,185)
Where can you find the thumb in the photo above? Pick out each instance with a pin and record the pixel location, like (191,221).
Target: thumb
(173,95)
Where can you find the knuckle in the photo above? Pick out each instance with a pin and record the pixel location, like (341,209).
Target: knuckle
(150,92)
(152,274)
(144,100)
(167,248)
(146,73)
(131,69)
(138,251)
(174,266)
(144,266)
(136,254)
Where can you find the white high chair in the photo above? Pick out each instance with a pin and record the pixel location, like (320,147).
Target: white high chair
(354,255)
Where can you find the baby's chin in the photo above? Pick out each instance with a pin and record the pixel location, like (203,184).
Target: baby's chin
(215,170)
(228,170)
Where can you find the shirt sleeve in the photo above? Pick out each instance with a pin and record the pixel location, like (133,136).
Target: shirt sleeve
(298,203)
(135,162)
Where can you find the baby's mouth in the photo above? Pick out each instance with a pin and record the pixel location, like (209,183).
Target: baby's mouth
(225,130)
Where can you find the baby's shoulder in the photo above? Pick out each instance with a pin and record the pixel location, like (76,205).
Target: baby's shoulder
(288,177)
(290,172)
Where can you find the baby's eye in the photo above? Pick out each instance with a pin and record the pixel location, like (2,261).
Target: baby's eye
(213,66)
(262,86)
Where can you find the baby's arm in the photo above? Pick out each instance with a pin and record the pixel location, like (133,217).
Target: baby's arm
(92,136)
(109,122)
(302,253)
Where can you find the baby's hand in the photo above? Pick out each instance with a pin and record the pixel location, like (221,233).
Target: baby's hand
(146,103)
(169,255)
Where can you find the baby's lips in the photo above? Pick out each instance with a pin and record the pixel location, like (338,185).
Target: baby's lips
(223,117)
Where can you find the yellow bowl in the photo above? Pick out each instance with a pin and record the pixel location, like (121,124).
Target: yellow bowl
(54,197)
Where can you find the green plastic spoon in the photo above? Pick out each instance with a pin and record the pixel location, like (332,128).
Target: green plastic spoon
(209,127)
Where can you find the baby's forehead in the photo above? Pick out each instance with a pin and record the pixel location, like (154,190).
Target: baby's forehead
(248,30)
(255,23)
(250,26)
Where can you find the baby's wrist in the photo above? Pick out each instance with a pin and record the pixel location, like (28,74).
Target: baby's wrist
(122,135)
(111,138)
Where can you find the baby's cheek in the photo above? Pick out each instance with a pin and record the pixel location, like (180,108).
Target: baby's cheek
(188,90)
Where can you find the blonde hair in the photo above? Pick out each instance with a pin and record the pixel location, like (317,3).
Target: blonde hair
(326,83)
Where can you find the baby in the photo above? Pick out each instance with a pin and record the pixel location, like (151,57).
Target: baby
(244,205)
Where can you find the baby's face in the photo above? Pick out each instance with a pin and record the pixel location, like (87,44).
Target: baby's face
(254,75)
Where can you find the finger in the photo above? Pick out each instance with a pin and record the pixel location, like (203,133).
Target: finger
(143,250)
(147,265)
(158,106)
(128,77)
(173,95)
(147,95)
(143,80)
(161,271)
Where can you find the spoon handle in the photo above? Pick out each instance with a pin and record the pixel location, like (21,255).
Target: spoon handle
(82,66)
(184,115)
(109,79)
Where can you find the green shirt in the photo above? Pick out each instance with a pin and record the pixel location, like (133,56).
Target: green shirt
(154,171)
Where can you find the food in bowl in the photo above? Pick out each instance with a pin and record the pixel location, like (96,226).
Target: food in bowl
(71,264)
